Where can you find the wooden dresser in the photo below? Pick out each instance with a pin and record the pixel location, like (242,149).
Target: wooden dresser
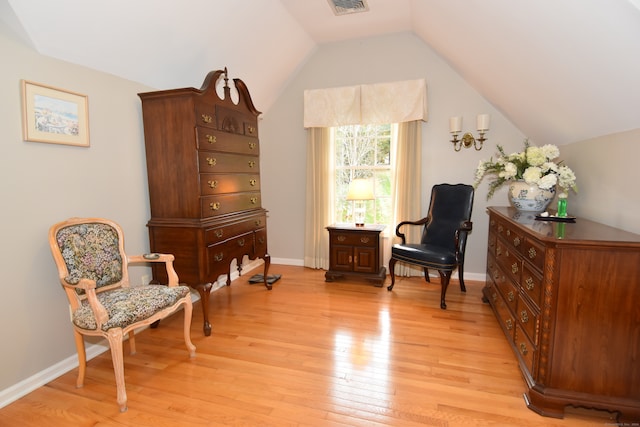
(356,251)
(203,168)
(567,296)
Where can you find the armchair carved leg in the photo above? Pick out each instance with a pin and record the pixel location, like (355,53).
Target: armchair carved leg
(426,275)
(115,344)
(392,272)
(445,276)
(205,290)
(82,358)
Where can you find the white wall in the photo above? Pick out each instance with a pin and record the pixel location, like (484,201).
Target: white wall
(379,59)
(41,184)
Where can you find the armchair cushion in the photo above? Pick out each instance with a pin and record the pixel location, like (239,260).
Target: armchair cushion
(126,306)
(425,255)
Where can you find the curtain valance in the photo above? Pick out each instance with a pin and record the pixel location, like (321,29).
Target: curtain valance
(394,102)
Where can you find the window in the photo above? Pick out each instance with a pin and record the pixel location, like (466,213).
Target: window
(363,151)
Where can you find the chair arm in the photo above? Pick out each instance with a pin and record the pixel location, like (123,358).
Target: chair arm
(465,228)
(99,311)
(403,223)
(156,257)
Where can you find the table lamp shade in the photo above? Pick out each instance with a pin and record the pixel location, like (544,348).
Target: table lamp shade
(360,189)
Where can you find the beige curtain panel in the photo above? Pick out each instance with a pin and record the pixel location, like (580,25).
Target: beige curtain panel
(394,102)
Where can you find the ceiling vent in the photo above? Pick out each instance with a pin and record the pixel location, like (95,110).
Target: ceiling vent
(345,7)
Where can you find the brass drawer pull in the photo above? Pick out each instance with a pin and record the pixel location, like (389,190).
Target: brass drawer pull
(524,316)
(514,267)
(511,296)
(214,206)
(218,257)
(529,284)
(219,233)
(509,324)
(251,129)
(207,118)
(532,252)
(500,229)
(252,145)
(212,184)
(261,240)
(516,241)
(494,296)
(364,240)
(523,349)
(342,239)
(508,232)
(252,182)
(211,161)
(211,139)
(254,200)
(499,250)
(258,222)
(241,242)
(252,163)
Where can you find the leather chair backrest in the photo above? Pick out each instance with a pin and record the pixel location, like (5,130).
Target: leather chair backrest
(450,206)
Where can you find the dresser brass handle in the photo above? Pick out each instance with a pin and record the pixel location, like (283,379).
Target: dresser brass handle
(251,129)
(499,250)
(509,324)
(254,200)
(218,257)
(214,206)
(211,139)
(219,233)
(516,242)
(240,242)
(529,284)
(212,184)
(532,253)
(207,118)
(500,228)
(211,161)
(508,232)
(342,239)
(494,296)
(514,267)
(350,259)
(523,349)
(261,240)
(258,222)
(252,145)
(252,182)
(364,240)
(524,316)
(511,296)
(251,163)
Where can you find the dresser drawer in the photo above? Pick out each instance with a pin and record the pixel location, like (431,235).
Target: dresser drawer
(508,290)
(224,232)
(505,318)
(210,162)
(534,253)
(205,115)
(221,254)
(260,242)
(215,140)
(359,239)
(227,203)
(235,121)
(525,348)
(509,260)
(532,284)
(528,319)
(513,237)
(228,183)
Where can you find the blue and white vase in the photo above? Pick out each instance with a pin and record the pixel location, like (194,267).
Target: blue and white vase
(529,198)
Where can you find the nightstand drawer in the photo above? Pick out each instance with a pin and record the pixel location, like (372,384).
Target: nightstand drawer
(359,239)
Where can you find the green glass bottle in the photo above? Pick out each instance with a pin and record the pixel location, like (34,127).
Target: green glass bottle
(562,207)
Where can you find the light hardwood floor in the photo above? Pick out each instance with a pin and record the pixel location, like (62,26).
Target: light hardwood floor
(309,353)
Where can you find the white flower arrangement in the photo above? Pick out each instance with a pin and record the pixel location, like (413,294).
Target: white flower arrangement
(534,165)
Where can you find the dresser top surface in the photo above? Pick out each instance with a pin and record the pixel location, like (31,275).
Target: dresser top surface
(582,231)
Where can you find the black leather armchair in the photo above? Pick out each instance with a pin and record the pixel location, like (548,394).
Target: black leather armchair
(444,236)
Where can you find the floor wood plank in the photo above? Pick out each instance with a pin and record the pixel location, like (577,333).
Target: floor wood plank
(309,353)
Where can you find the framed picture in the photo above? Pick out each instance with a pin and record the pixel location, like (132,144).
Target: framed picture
(54,115)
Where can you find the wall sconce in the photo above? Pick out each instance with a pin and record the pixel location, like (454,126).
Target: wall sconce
(455,126)
(359,190)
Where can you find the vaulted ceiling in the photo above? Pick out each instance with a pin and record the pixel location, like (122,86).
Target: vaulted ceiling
(560,70)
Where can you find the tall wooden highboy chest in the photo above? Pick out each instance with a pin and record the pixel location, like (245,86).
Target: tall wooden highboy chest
(203,168)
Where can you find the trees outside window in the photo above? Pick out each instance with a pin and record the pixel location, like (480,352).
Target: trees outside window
(363,151)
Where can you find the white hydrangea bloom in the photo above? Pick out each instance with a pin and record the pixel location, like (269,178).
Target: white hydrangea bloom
(548,181)
(535,156)
(550,151)
(532,175)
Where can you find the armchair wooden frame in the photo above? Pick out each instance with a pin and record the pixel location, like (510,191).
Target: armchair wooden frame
(87,290)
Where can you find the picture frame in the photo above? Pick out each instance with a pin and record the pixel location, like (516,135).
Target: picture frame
(54,115)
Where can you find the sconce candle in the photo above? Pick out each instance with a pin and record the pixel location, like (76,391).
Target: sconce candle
(455,124)
(483,122)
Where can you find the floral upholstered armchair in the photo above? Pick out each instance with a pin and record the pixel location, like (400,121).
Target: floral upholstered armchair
(93,270)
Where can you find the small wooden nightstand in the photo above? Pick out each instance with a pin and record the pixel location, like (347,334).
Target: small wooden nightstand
(356,252)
